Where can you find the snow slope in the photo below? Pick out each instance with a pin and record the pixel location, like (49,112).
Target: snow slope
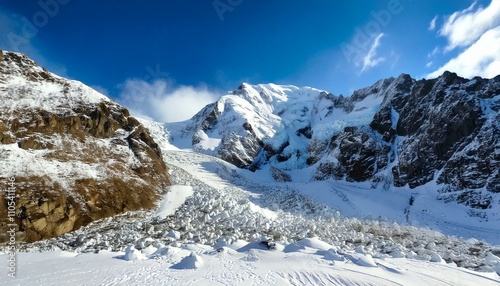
(24,85)
(173,199)
(308,266)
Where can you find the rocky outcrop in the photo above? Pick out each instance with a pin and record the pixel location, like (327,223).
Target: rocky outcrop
(280,175)
(360,150)
(75,155)
(354,155)
(437,120)
(444,129)
(240,150)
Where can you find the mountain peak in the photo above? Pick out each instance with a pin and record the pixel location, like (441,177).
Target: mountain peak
(19,64)
(26,84)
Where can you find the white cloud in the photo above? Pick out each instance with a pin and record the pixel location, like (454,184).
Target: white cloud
(480,59)
(158,101)
(371,60)
(429,64)
(463,28)
(475,32)
(432,24)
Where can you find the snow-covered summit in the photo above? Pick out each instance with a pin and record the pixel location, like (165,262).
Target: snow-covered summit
(244,119)
(270,116)
(27,85)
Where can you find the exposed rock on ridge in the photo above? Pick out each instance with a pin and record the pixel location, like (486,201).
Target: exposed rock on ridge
(75,155)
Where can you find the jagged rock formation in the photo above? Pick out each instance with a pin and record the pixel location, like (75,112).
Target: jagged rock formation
(397,132)
(76,156)
(450,130)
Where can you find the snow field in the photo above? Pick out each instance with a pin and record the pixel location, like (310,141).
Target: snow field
(250,264)
(219,212)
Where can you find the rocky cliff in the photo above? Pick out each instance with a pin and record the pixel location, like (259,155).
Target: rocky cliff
(399,132)
(75,155)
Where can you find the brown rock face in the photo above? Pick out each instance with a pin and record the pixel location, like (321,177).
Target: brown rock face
(73,163)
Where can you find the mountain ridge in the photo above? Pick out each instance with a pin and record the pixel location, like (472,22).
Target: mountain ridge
(397,132)
(75,155)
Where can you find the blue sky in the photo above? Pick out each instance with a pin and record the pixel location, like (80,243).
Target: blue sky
(157,56)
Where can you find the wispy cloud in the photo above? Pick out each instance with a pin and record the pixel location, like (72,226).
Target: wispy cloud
(395,57)
(475,31)
(371,60)
(432,24)
(160,101)
(463,28)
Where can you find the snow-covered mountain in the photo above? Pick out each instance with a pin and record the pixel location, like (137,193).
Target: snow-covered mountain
(312,188)
(399,132)
(74,155)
